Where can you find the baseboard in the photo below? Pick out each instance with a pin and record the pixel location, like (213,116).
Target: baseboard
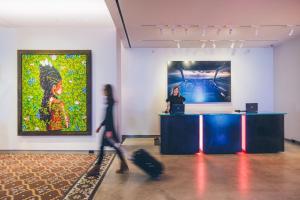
(107,149)
(42,150)
(292,141)
(138,136)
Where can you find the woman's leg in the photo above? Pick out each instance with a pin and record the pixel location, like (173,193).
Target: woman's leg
(124,166)
(95,170)
(101,153)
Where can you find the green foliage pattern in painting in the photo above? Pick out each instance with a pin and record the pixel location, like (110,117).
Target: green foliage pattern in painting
(72,69)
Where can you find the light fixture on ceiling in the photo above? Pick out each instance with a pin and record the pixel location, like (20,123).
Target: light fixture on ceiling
(177,44)
(232,44)
(241,44)
(173,30)
(233,52)
(203,31)
(230,30)
(292,30)
(203,44)
(218,30)
(186,30)
(214,44)
(161,30)
(256,29)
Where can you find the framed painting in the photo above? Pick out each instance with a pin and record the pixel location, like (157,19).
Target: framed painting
(201,81)
(54,92)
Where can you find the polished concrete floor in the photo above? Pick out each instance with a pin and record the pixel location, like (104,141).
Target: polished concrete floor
(209,177)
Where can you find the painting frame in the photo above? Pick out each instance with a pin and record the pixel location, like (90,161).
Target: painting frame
(88,82)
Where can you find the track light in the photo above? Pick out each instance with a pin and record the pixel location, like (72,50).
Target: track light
(232,44)
(177,44)
(230,31)
(214,44)
(241,44)
(203,32)
(173,30)
(161,30)
(186,29)
(218,30)
(256,30)
(291,32)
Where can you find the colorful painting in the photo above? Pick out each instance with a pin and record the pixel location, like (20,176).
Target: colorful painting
(201,81)
(54,92)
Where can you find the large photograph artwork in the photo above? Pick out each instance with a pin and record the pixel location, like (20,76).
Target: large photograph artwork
(201,81)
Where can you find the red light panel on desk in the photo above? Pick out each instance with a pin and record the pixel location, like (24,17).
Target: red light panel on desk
(244,133)
(201,132)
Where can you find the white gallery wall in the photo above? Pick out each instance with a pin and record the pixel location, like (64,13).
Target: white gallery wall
(144,83)
(286,84)
(102,42)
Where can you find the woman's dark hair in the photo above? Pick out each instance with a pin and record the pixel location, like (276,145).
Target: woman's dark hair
(109,92)
(175,87)
(49,76)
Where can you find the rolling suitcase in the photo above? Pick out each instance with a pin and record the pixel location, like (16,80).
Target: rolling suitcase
(147,163)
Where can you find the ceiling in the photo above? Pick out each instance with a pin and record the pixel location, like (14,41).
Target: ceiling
(205,23)
(54,13)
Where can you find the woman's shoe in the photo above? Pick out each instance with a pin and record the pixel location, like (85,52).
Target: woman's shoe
(123,169)
(94,171)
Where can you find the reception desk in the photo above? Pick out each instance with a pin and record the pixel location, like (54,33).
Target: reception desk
(222,133)
(179,134)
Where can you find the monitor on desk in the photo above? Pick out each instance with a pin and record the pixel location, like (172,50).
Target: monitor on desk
(251,107)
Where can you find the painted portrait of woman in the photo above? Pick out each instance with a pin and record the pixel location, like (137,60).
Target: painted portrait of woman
(52,108)
(54,92)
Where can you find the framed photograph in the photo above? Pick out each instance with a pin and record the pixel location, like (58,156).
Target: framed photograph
(201,81)
(54,92)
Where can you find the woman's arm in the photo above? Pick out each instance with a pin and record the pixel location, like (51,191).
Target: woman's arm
(102,123)
(183,99)
(108,117)
(168,107)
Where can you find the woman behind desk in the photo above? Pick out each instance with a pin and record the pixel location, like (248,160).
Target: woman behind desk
(174,98)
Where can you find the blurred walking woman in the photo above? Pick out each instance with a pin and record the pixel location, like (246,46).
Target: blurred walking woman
(110,137)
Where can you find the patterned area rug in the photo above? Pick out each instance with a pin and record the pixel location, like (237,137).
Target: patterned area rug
(49,176)
(86,187)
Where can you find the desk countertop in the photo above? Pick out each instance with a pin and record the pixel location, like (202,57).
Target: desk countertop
(234,113)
